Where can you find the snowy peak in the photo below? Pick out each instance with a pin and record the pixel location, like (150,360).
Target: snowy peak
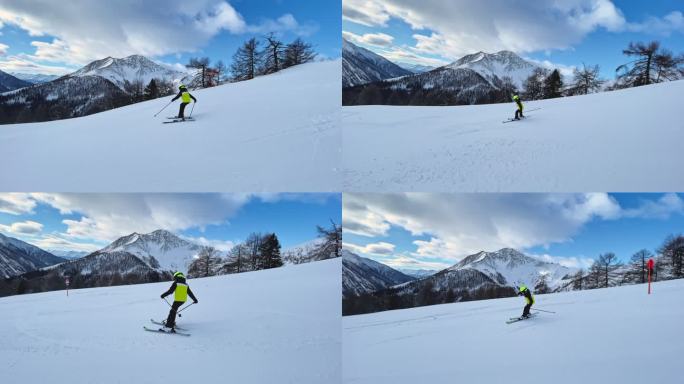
(361,275)
(11,83)
(18,257)
(129,69)
(361,66)
(493,66)
(160,249)
(508,267)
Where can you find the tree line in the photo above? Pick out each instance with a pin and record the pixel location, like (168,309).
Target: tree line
(263,251)
(650,64)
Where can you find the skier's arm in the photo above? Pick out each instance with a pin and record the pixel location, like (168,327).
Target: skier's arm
(170,291)
(192,295)
(193,98)
(177,96)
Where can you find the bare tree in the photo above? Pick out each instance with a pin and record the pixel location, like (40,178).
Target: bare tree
(298,52)
(608,262)
(201,64)
(221,70)
(637,272)
(273,55)
(247,61)
(673,251)
(651,65)
(587,80)
(534,85)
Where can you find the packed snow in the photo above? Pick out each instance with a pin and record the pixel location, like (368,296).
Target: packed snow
(274,133)
(275,326)
(626,140)
(613,335)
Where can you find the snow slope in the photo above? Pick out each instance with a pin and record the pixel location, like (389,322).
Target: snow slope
(274,133)
(614,335)
(276,326)
(625,140)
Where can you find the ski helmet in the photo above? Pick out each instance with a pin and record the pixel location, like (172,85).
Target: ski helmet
(178,275)
(182,86)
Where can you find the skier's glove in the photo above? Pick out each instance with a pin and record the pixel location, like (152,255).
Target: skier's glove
(196,301)
(162,296)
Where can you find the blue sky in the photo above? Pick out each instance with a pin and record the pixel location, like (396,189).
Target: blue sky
(87,222)
(436,32)
(59,37)
(433,231)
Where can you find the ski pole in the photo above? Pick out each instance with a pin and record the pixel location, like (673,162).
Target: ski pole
(191,110)
(183,309)
(163,108)
(167,303)
(541,310)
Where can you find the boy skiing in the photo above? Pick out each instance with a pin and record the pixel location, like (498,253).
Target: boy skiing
(185,97)
(181,291)
(519,111)
(529,299)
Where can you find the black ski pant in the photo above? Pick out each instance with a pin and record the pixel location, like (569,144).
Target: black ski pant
(518,113)
(171,320)
(181,111)
(526,311)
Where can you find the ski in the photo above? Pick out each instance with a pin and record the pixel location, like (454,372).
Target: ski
(160,330)
(178,121)
(513,120)
(163,325)
(178,118)
(516,319)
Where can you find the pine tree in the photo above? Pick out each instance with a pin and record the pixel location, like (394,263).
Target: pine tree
(298,52)
(331,244)
(152,90)
(553,85)
(270,252)
(247,61)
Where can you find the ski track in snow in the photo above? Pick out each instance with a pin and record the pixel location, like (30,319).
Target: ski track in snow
(616,335)
(285,321)
(616,141)
(274,133)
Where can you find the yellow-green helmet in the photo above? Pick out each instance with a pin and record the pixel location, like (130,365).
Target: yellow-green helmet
(522,288)
(516,97)
(178,275)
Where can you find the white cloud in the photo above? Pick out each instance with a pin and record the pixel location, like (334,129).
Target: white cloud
(25,64)
(668,205)
(467,26)
(85,30)
(107,217)
(3,48)
(374,39)
(285,23)
(23,228)
(570,262)
(462,224)
(380,248)
(58,242)
(223,246)
(667,25)
(16,203)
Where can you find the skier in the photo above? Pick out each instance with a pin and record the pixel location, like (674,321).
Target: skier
(180,290)
(185,97)
(529,299)
(519,111)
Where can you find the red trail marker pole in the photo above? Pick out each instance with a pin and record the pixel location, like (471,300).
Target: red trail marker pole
(650,268)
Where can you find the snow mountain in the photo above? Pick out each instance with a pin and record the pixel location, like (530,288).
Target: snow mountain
(160,250)
(361,275)
(35,78)
(480,78)
(69,255)
(361,66)
(416,68)
(18,257)
(495,66)
(10,83)
(503,268)
(135,68)
(99,86)
(417,273)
